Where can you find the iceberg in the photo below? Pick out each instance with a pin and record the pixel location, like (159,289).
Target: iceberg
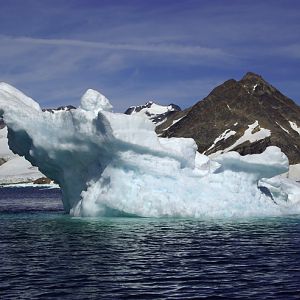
(14,169)
(112,164)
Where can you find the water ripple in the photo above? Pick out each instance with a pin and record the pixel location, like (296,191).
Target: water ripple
(45,254)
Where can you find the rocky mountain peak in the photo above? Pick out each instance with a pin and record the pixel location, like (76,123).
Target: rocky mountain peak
(154,112)
(60,108)
(252,77)
(245,116)
(256,85)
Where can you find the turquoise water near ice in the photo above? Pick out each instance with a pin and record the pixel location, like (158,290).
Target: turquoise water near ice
(45,254)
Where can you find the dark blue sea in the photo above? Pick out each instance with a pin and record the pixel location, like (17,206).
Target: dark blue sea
(45,254)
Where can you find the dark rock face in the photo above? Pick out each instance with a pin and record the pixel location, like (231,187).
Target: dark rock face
(133,109)
(235,105)
(60,108)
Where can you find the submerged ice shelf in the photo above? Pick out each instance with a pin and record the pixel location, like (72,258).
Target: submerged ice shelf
(114,164)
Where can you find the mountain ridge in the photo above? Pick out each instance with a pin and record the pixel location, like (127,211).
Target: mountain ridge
(245,115)
(236,105)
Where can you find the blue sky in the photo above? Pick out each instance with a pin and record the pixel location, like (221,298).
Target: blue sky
(138,50)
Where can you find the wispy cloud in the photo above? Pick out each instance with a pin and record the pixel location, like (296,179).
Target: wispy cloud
(60,70)
(183,92)
(158,47)
(135,50)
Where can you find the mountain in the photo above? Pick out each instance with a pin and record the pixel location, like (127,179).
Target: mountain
(154,112)
(245,116)
(59,109)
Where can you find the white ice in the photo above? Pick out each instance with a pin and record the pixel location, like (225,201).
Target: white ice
(16,169)
(5,152)
(114,164)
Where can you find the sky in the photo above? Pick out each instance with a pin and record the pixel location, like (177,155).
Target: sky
(132,51)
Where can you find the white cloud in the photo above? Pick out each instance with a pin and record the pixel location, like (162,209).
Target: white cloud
(170,48)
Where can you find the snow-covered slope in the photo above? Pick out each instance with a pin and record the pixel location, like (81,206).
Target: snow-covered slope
(14,169)
(252,134)
(157,113)
(114,164)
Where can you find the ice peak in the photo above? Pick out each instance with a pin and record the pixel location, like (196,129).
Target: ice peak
(8,91)
(92,100)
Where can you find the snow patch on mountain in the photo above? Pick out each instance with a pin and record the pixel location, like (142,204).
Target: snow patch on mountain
(283,128)
(18,170)
(173,123)
(224,136)
(251,135)
(294,127)
(156,113)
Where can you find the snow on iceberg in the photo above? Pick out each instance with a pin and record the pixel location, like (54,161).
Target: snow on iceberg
(114,164)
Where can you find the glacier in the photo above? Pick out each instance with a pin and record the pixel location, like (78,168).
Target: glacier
(112,164)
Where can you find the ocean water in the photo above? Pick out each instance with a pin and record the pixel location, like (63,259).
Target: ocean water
(45,254)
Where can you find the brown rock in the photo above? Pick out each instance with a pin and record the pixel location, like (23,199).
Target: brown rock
(43,180)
